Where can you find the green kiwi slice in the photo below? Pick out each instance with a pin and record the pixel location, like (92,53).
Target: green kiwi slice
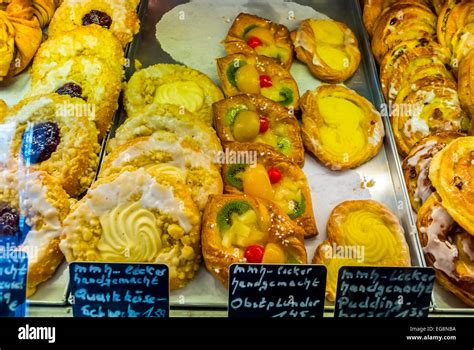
(224,217)
(233,176)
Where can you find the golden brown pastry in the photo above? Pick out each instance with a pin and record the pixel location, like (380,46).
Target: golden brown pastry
(250,34)
(269,175)
(341,128)
(329,49)
(3,108)
(244,229)
(466,85)
(368,232)
(454,16)
(254,118)
(44,11)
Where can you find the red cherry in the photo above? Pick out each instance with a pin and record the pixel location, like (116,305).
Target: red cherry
(254,254)
(253,42)
(274,174)
(264,125)
(265,81)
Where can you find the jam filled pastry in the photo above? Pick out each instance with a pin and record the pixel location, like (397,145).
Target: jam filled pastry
(369,232)
(241,73)
(118,16)
(466,85)
(244,229)
(329,49)
(172,84)
(140,216)
(341,128)
(254,118)
(250,34)
(54,134)
(273,177)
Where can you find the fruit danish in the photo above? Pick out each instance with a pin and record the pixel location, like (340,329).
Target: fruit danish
(254,118)
(341,128)
(172,84)
(136,216)
(89,78)
(448,249)
(271,176)
(244,229)
(466,85)
(329,49)
(33,207)
(241,73)
(367,233)
(250,34)
(118,16)
(54,134)
(417,165)
(166,155)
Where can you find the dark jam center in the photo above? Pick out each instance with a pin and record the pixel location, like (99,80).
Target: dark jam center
(9,220)
(97,17)
(39,142)
(70,89)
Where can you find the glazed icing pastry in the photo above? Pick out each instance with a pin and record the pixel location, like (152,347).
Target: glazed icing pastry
(89,78)
(241,73)
(452,174)
(417,165)
(250,34)
(330,49)
(254,118)
(466,85)
(271,176)
(172,84)
(37,217)
(192,168)
(434,107)
(448,249)
(118,16)
(84,41)
(369,231)
(402,22)
(136,216)
(54,134)
(454,17)
(244,229)
(341,128)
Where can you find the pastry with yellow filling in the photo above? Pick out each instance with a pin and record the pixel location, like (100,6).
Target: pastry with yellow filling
(118,16)
(166,155)
(250,34)
(256,119)
(447,248)
(466,85)
(341,128)
(452,175)
(330,49)
(269,175)
(54,134)
(361,233)
(172,84)
(244,73)
(139,216)
(245,229)
(416,166)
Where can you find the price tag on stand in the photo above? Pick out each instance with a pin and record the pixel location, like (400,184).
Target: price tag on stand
(279,291)
(13,275)
(119,290)
(384,292)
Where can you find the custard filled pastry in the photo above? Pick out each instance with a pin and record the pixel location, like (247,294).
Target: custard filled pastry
(33,207)
(241,73)
(416,166)
(466,85)
(448,249)
(271,176)
(172,84)
(254,118)
(54,134)
(329,49)
(166,155)
(118,16)
(341,128)
(369,231)
(244,229)
(452,174)
(139,216)
(250,34)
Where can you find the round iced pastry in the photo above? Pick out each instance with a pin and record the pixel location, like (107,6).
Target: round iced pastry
(139,216)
